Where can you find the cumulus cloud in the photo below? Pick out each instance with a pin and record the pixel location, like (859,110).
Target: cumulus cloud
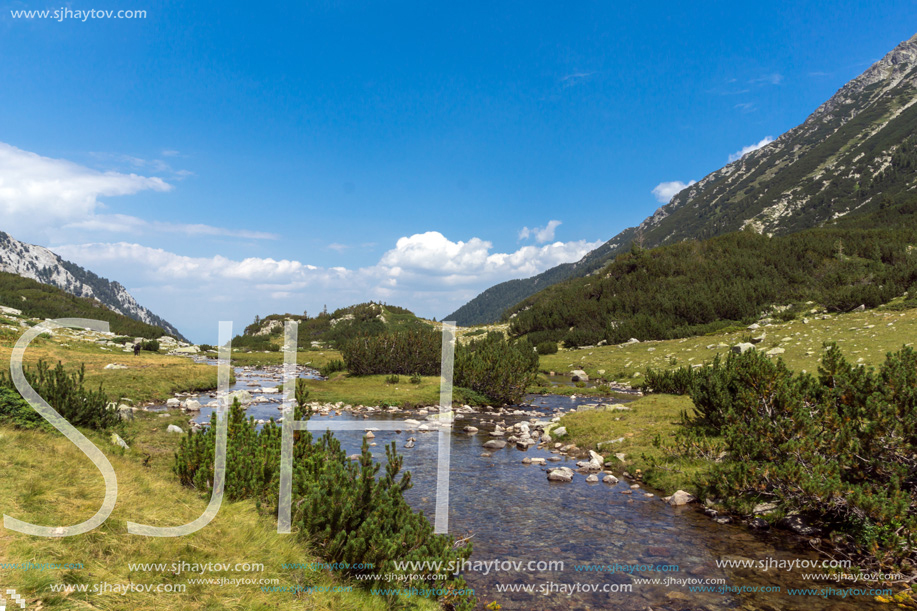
(437,259)
(751,147)
(425,272)
(665,191)
(541,234)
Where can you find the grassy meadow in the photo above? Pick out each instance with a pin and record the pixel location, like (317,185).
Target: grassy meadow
(48,481)
(863,337)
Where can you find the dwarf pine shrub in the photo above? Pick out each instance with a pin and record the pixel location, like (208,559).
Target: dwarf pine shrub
(840,447)
(346,510)
(547,347)
(63,391)
(498,368)
(403,352)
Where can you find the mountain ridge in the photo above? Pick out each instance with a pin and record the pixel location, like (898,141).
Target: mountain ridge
(42,265)
(840,161)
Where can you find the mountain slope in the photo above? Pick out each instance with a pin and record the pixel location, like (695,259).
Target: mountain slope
(854,153)
(694,287)
(37,300)
(42,265)
(344,323)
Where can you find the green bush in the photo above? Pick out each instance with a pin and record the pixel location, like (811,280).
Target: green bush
(403,352)
(491,366)
(151,345)
(416,379)
(671,382)
(15,411)
(301,392)
(547,348)
(495,367)
(392,379)
(343,508)
(840,448)
(64,392)
(332,366)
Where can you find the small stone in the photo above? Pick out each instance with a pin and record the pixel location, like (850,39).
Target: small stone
(742,348)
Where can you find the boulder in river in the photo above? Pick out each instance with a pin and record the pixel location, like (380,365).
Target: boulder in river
(243,396)
(495,444)
(594,463)
(579,375)
(680,498)
(560,474)
(797,524)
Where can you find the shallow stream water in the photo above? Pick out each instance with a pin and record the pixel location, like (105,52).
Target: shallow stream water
(515,514)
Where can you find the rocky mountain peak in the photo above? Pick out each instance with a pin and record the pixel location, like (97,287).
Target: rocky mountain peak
(42,265)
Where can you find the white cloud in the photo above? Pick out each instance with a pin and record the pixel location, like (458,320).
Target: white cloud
(665,191)
(161,265)
(774,78)
(38,193)
(751,147)
(36,188)
(425,272)
(575,78)
(122,223)
(434,258)
(541,234)
(138,163)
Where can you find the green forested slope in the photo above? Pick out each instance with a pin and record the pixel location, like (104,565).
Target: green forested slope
(39,300)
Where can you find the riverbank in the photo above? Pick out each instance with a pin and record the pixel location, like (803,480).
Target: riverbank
(146,377)
(641,435)
(47,480)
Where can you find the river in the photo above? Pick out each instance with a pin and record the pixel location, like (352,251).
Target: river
(516,516)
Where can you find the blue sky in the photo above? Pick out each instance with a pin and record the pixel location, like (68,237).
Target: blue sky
(226,160)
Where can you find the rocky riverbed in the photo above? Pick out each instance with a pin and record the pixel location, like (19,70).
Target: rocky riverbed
(522,496)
